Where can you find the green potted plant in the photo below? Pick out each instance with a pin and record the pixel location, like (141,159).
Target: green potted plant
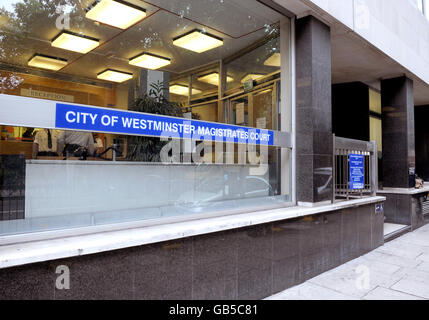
(148,149)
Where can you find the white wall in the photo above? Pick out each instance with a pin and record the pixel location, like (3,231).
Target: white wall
(395,27)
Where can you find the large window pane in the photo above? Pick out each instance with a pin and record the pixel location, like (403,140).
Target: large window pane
(185,60)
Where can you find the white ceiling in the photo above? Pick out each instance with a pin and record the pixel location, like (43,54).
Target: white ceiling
(354,59)
(238,22)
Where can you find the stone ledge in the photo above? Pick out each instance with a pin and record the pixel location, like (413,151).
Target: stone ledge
(65,247)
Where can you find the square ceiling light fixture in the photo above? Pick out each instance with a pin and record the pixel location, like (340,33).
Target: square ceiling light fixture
(183,90)
(116,13)
(47,62)
(68,40)
(114,75)
(273,60)
(213,78)
(251,76)
(149,61)
(198,41)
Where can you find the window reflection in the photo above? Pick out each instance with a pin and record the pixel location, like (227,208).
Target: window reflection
(210,61)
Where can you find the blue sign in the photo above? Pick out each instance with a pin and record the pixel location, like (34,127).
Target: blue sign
(356,172)
(76,117)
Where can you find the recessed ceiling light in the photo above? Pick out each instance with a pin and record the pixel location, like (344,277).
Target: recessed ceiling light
(251,76)
(74,42)
(114,75)
(273,60)
(183,90)
(47,62)
(198,41)
(213,78)
(150,61)
(116,13)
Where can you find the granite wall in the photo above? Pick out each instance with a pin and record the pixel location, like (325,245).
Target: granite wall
(406,209)
(247,263)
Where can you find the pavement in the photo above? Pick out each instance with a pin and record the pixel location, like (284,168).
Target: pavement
(399,270)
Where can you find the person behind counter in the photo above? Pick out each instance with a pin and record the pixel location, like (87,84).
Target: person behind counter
(45,143)
(98,143)
(76,144)
(28,135)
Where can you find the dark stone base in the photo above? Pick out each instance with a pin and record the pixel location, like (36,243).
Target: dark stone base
(247,263)
(405,209)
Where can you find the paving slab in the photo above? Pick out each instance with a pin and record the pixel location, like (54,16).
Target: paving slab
(309,291)
(380,293)
(424,266)
(412,286)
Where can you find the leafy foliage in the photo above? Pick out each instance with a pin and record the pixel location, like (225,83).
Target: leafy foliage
(147,148)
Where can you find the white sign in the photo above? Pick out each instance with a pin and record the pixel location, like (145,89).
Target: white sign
(47,95)
(239,113)
(261,123)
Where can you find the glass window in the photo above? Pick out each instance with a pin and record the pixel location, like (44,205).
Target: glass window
(375,101)
(114,111)
(376,132)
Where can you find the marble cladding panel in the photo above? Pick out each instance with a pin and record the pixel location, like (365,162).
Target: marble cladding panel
(405,209)
(364,229)
(286,254)
(254,262)
(322,177)
(247,263)
(398,132)
(164,270)
(314,110)
(349,235)
(377,228)
(417,217)
(390,207)
(214,266)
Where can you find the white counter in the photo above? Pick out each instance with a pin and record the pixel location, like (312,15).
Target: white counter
(410,191)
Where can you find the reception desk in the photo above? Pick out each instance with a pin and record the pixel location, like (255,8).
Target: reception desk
(16,147)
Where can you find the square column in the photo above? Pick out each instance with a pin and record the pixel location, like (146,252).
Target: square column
(313,111)
(399,157)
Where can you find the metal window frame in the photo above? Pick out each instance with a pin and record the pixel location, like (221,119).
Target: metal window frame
(283,139)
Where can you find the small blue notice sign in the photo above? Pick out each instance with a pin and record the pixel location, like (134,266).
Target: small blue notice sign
(356,171)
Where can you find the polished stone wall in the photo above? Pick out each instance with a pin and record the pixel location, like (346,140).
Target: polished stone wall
(12,187)
(397,101)
(406,209)
(314,158)
(247,263)
(421,115)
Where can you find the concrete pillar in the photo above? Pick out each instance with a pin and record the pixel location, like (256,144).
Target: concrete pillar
(142,84)
(397,101)
(313,111)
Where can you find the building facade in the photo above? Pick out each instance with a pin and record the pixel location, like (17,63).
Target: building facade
(205,149)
